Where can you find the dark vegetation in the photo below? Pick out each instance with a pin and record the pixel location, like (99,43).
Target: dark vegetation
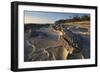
(74,19)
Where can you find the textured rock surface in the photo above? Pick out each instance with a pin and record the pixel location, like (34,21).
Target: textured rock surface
(45,43)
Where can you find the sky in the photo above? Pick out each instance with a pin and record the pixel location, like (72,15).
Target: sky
(46,17)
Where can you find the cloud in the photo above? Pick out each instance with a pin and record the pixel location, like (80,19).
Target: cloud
(32,19)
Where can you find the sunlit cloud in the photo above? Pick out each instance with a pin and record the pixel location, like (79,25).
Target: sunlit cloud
(31,19)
